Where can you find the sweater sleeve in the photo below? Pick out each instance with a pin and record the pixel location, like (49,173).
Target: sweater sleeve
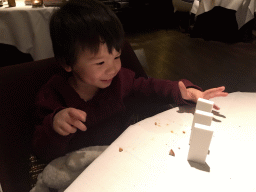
(163,89)
(46,143)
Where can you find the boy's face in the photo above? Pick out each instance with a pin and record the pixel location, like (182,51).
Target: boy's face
(96,70)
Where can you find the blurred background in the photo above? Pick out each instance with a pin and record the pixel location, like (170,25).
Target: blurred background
(170,41)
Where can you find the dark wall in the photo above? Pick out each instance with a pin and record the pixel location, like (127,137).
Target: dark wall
(147,14)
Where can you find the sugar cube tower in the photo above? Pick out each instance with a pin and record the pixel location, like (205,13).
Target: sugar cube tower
(201,131)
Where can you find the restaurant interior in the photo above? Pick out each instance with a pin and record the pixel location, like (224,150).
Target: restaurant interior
(168,47)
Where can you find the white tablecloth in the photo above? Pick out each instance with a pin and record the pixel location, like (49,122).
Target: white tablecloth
(245,8)
(145,164)
(27,29)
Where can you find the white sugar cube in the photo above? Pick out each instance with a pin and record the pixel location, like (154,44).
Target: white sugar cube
(201,117)
(204,105)
(200,143)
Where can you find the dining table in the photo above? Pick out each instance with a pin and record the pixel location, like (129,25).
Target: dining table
(140,159)
(244,8)
(27,29)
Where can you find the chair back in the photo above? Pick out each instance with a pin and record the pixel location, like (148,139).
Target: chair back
(19,85)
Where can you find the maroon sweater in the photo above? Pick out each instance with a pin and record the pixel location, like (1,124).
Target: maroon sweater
(106,111)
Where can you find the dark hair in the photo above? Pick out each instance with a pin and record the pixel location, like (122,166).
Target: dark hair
(84,24)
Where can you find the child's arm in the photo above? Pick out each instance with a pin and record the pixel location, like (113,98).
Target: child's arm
(47,144)
(51,138)
(167,90)
(54,118)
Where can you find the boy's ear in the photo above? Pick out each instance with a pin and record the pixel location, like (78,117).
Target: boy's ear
(67,68)
(63,64)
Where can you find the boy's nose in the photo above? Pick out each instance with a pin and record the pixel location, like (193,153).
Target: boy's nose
(113,68)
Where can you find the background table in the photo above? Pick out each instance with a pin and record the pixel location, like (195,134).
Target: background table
(244,8)
(145,163)
(224,20)
(27,29)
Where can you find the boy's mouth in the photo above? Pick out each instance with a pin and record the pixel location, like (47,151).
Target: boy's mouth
(107,81)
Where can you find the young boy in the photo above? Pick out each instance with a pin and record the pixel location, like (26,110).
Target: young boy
(87,105)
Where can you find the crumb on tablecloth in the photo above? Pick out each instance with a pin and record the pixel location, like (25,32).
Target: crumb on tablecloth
(171,131)
(183,132)
(155,123)
(120,149)
(172,153)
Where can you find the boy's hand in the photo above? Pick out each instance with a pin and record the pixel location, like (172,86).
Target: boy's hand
(192,94)
(68,121)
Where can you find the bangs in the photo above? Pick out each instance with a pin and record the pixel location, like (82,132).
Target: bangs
(100,33)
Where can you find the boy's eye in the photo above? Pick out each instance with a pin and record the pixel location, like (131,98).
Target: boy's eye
(117,57)
(101,63)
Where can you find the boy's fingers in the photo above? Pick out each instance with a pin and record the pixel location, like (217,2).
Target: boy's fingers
(62,131)
(221,94)
(182,86)
(214,90)
(77,114)
(78,124)
(216,107)
(183,90)
(216,94)
(69,128)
